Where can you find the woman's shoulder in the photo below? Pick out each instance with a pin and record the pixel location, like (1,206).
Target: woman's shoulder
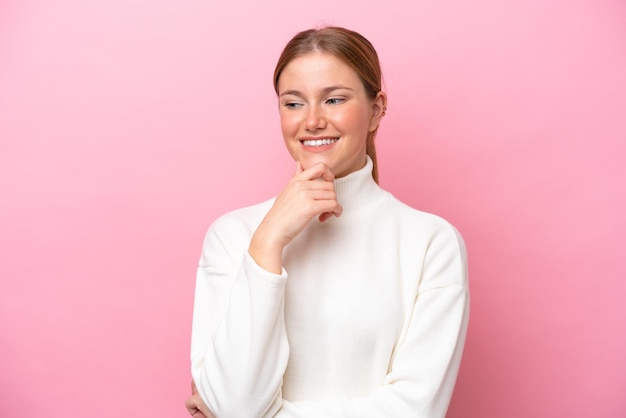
(231,232)
(415,219)
(245,217)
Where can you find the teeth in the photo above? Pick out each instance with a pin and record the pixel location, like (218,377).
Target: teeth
(319,142)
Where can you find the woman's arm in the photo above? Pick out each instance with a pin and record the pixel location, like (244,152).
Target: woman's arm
(239,347)
(239,342)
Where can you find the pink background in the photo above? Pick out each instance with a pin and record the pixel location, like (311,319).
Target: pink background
(127,126)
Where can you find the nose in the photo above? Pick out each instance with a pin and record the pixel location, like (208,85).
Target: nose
(315,119)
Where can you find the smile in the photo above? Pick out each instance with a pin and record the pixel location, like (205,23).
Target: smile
(319,142)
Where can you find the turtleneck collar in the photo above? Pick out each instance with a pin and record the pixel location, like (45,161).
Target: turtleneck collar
(358,193)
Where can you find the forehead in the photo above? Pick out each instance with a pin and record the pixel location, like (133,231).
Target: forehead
(317,70)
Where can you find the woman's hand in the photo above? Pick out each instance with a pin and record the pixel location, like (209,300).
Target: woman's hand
(310,193)
(196,406)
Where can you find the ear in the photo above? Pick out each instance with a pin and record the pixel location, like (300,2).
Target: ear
(379,108)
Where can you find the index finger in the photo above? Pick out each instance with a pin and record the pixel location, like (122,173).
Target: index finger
(319,170)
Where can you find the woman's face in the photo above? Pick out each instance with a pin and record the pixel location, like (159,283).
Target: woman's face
(325,113)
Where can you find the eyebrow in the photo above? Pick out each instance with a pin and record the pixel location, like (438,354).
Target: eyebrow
(325,90)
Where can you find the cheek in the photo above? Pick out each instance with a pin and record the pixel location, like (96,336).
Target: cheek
(288,124)
(352,119)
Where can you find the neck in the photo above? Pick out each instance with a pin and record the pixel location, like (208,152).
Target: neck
(357,192)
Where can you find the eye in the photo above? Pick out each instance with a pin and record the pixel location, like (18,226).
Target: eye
(335,100)
(293,105)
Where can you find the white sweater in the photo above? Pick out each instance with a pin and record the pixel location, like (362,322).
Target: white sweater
(367,319)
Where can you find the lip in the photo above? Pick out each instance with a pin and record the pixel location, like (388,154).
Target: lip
(320,148)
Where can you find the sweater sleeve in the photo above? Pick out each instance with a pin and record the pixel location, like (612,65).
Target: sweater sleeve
(239,348)
(426,360)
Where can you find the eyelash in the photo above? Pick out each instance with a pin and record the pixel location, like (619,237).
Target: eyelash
(332,101)
(335,100)
(293,105)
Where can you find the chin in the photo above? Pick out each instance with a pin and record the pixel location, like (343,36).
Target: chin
(311,161)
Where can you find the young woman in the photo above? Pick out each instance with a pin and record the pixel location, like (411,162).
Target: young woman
(334,299)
